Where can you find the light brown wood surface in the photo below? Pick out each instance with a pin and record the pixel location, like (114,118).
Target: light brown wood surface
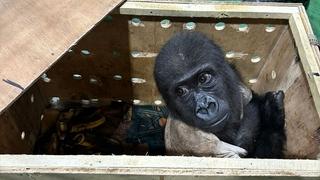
(34,34)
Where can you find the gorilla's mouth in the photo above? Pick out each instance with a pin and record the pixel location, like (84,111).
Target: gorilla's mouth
(220,120)
(202,111)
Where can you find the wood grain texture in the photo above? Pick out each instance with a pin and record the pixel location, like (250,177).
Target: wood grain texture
(157,165)
(112,42)
(24,116)
(204,9)
(34,34)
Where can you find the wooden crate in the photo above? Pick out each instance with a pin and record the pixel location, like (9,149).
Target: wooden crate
(65,39)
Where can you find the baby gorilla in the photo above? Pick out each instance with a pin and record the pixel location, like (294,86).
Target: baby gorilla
(201,89)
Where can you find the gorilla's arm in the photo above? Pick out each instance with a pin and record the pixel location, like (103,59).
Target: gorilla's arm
(272,136)
(262,131)
(249,127)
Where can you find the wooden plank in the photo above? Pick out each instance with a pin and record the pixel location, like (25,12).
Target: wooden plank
(20,124)
(34,34)
(158,165)
(83,176)
(289,77)
(207,10)
(308,58)
(221,2)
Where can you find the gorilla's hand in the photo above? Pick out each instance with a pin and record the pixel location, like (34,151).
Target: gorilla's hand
(272,134)
(273,110)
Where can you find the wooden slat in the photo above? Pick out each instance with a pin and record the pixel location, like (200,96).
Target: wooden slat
(308,58)
(158,165)
(34,34)
(207,10)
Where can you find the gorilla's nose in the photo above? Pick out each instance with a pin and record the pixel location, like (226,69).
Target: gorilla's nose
(206,106)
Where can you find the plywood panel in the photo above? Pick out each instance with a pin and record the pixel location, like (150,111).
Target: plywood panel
(33,34)
(20,124)
(283,71)
(113,42)
(109,56)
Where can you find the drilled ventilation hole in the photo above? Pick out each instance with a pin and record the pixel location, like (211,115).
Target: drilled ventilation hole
(166,23)
(135,54)
(45,78)
(93,81)
(32,98)
(255,59)
(136,101)
(189,26)
(41,117)
(54,100)
(85,102)
(135,21)
(138,80)
(252,81)
(85,52)
(270,28)
(77,76)
(273,74)
(230,54)
(220,26)
(23,135)
(157,102)
(94,100)
(117,77)
(243,27)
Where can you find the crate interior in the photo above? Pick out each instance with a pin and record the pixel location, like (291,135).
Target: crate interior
(100,67)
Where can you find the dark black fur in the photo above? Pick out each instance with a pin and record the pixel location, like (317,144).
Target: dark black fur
(201,89)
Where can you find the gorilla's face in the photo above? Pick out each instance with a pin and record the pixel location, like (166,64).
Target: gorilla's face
(199,87)
(199,99)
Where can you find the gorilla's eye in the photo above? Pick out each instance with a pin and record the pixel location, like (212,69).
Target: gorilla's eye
(204,78)
(180,91)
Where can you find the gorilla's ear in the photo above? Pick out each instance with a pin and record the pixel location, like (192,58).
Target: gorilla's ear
(245,93)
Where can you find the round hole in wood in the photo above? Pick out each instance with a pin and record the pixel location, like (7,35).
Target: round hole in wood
(136,101)
(117,77)
(32,98)
(138,80)
(270,28)
(94,100)
(273,74)
(54,100)
(252,81)
(85,52)
(157,102)
(230,54)
(135,54)
(220,26)
(77,76)
(189,26)
(93,81)
(85,101)
(45,78)
(23,135)
(135,21)
(255,59)
(243,27)
(166,23)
